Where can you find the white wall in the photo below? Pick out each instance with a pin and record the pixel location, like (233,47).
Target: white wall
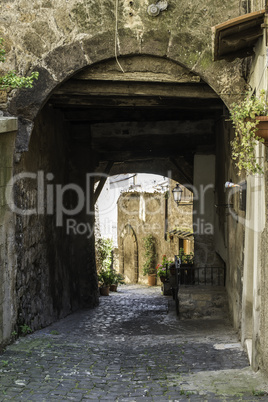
(107,201)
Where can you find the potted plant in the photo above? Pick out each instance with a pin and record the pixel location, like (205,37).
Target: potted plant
(117,279)
(163,270)
(247,118)
(149,256)
(105,278)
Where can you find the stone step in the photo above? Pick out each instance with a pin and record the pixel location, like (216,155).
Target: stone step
(202,302)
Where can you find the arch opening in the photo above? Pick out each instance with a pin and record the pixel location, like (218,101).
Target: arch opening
(158,118)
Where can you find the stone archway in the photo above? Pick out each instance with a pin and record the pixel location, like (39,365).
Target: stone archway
(129,264)
(62,41)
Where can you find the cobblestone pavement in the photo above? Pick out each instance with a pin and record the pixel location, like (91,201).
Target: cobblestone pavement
(130,348)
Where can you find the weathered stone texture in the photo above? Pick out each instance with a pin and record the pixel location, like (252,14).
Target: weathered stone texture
(54,276)
(144,214)
(182,33)
(59,39)
(202,301)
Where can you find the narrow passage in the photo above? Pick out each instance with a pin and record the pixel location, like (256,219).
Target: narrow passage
(131,348)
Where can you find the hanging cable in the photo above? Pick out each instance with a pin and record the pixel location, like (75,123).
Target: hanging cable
(116,35)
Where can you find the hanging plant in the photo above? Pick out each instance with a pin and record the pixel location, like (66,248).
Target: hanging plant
(244,118)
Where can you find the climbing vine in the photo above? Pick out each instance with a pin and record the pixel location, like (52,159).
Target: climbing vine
(11,80)
(149,255)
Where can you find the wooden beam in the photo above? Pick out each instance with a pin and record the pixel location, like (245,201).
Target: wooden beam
(142,89)
(102,180)
(141,76)
(78,102)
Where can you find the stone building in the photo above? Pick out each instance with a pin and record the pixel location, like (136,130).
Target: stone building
(141,214)
(123,88)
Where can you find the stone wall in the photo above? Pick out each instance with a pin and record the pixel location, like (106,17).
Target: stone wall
(8,127)
(141,214)
(202,302)
(54,275)
(60,38)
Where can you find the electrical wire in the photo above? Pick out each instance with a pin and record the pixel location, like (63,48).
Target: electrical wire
(116,36)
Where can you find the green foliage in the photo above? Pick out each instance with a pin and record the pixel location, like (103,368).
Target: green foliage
(149,255)
(2,51)
(25,329)
(186,258)
(54,332)
(11,80)
(118,278)
(107,277)
(258,393)
(243,116)
(162,269)
(104,248)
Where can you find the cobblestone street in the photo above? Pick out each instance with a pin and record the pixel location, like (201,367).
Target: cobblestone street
(131,348)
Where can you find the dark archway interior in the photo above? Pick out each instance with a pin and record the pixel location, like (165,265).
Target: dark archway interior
(141,121)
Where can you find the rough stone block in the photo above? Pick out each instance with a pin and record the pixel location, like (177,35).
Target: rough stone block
(65,60)
(99,47)
(153,43)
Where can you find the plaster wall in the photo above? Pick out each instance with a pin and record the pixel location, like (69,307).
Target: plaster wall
(204,211)
(8,128)
(255,290)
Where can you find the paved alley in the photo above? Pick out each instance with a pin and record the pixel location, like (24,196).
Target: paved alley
(131,348)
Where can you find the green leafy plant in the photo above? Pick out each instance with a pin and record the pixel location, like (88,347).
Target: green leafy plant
(109,276)
(149,255)
(258,392)
(25,329)
(243,117)
(54,332)
(105,277)
(104,248)
(186,258)
(162,269)
(118,278)
(11,80)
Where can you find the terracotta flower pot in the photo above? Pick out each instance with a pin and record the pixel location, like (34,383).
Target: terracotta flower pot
(263,128)
(152,280)
(113,288)
(104,291)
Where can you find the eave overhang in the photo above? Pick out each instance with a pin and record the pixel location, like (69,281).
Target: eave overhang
(237,37)
(182,233)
